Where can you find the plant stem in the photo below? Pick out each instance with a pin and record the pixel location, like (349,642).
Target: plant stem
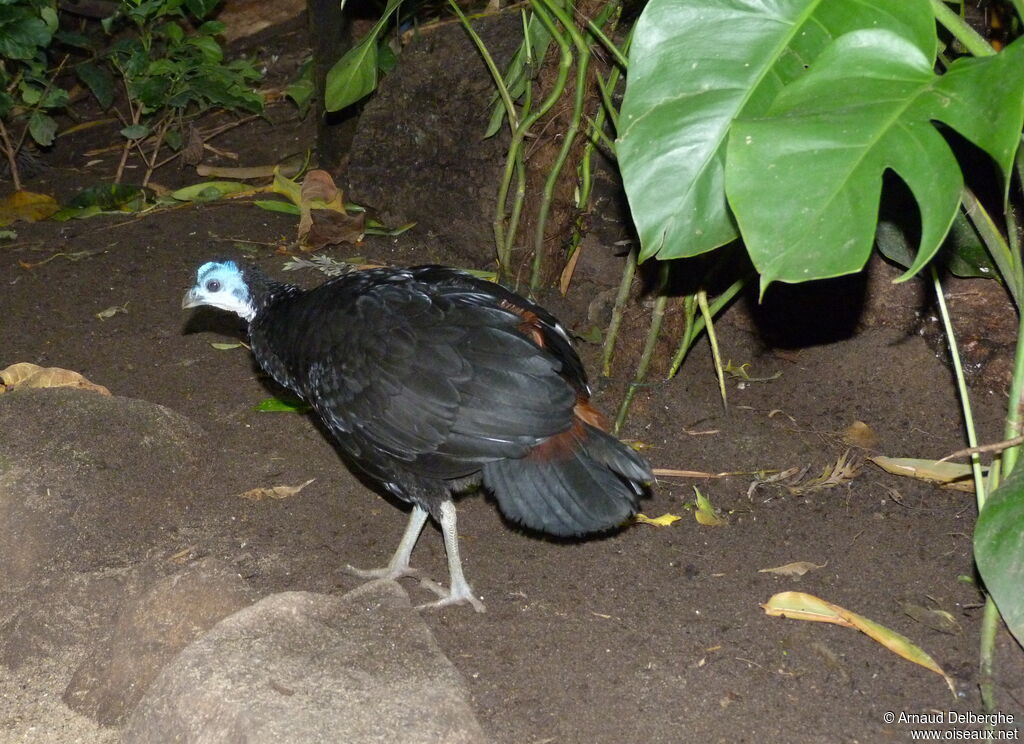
(694,325)
(961,384)
(619,55)
(608,350)
(499,82)
(11,153)
(503,244)
(582,67)
(705,313)
(973,41)
(657,316)
(989,629)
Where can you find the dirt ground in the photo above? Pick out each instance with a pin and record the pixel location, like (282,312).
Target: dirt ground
(653,634)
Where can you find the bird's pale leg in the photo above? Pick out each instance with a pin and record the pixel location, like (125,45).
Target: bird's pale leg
(398,566)
(458,588)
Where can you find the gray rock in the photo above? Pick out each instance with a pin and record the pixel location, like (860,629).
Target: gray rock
(151,630)
(300,667)
(73,496)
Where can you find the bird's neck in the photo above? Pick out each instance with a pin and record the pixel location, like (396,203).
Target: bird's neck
(264,291)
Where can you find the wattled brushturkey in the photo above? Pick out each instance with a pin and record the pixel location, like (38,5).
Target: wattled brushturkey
(432,381)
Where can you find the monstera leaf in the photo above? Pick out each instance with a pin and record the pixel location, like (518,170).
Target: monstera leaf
(804,179)
(695,66)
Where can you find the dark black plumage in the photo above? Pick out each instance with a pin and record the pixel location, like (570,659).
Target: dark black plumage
(431,380)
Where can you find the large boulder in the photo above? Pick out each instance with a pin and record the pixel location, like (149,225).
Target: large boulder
(303,668)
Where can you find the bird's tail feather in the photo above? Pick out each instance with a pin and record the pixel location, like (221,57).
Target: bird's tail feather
(578,482)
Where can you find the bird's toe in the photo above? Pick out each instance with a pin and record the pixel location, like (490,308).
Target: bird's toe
(450,597)
(387,572)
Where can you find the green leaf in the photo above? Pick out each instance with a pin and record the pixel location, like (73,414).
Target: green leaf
(999,549)
(113,196)
(694,67)
(209,191)
(282,405)
(99,81)
(135,131)
(22,34)
(524,64)
(201,8)
(75,39)
(274,205)
(172,32)
(804,180)
(209,47)
(354,76)
(211,28)
(42,128)
(963,253)
(95,200)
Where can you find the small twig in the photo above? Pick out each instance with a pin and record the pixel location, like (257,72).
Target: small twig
(985,448)
(11,154)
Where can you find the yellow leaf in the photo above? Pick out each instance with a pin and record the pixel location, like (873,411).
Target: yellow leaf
(274,492)
(705,513)
(801,606)
(26,206)
(663,521)
(950,474)
(797,568)
(27,375)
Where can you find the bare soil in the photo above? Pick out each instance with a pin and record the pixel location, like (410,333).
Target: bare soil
(652,634)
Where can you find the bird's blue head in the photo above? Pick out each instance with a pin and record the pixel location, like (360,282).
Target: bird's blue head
(222,285)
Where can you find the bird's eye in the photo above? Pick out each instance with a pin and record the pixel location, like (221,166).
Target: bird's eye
(213,286)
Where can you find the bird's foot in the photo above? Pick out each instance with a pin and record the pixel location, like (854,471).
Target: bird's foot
(461,594)
(387,572)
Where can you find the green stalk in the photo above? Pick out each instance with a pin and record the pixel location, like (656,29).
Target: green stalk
(961,385)
(608,349)
(582,66)
(518,136)
(990,618)
(514,125)
(499,81)
(973,41)
(705,313)
(695,325)
(986,678)
(619,55)
(657,317)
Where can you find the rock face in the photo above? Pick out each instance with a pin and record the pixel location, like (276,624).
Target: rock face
(419,153)
(300,667)
(72,498)
(151,630)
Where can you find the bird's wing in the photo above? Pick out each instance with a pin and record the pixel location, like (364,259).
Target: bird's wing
(437,379)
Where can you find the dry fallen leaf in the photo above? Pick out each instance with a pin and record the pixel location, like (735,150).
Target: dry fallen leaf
(939,620)
(859,434)
(111,311)
(801,606)
(797,568)
(949,474)
(28,375)
(274,492)
(663,521)
(26,206)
